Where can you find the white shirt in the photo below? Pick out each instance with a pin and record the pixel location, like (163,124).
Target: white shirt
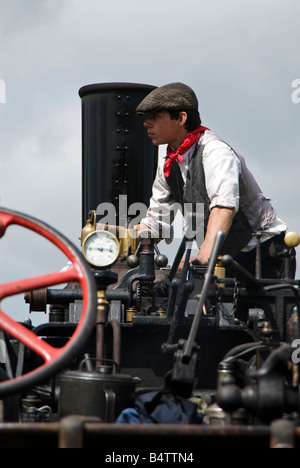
(223,170)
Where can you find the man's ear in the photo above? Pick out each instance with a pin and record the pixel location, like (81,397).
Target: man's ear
(182,118)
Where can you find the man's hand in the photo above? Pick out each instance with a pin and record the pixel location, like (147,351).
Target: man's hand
(220,219)
(141,228)
(198,260)
(144,231)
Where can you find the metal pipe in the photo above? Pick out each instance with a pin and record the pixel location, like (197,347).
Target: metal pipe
(116,342)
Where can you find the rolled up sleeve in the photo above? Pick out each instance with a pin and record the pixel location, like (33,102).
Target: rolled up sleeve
(222,172)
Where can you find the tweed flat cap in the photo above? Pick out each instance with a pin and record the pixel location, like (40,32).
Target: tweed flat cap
(173,96)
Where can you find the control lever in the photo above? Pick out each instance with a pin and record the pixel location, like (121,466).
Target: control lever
(292,240)
(186,356)
(241,273)
(177,260)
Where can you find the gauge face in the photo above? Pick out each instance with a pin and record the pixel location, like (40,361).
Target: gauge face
(101,248)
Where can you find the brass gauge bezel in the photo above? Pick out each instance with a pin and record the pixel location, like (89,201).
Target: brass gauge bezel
(97,234)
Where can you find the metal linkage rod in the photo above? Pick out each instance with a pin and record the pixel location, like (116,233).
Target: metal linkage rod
(208,276)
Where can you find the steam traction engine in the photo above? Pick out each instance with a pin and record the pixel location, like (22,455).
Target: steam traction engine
(207,358)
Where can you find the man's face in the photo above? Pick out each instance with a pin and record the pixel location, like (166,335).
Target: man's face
(163,130)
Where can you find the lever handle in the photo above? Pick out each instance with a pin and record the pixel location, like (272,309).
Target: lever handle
(292,239)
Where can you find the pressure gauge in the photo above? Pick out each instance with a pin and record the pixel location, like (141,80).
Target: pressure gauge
(101,248)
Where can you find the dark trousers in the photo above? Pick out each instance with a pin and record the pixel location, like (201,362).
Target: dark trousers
(273,265)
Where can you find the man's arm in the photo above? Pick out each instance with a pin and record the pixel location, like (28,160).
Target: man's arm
(162,209)
(220,219)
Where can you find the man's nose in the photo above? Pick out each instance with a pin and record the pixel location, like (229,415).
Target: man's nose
(147,123)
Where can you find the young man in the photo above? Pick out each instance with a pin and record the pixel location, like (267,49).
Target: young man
(201,168)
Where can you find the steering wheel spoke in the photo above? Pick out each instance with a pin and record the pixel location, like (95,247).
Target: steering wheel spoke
(55,359)
(29,339)
(18,287)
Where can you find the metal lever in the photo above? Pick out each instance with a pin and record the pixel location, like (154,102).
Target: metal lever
(188,351)
(241,273)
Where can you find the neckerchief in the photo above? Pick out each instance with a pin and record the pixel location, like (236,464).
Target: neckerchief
(187,143)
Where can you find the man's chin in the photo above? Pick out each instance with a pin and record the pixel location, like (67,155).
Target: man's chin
(157,142)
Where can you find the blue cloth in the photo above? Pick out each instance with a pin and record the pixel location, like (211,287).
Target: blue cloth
(157,408)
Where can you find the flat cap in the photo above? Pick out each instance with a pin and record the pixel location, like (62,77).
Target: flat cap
(173,96)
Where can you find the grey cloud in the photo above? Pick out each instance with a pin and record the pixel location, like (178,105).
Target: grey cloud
(240,57)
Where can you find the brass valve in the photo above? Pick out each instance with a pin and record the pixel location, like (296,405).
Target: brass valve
(89,227)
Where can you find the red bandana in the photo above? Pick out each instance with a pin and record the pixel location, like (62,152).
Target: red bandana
(188,142)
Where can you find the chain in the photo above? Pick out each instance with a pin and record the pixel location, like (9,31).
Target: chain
(236,293)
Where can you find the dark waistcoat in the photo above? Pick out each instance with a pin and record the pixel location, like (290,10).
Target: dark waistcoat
(194,191)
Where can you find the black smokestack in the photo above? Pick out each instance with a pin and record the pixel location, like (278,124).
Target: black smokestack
(118,158)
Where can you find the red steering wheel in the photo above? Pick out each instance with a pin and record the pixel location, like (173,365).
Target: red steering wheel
(55,359)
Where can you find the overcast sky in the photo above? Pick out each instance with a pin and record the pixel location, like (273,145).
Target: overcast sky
(241,58)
